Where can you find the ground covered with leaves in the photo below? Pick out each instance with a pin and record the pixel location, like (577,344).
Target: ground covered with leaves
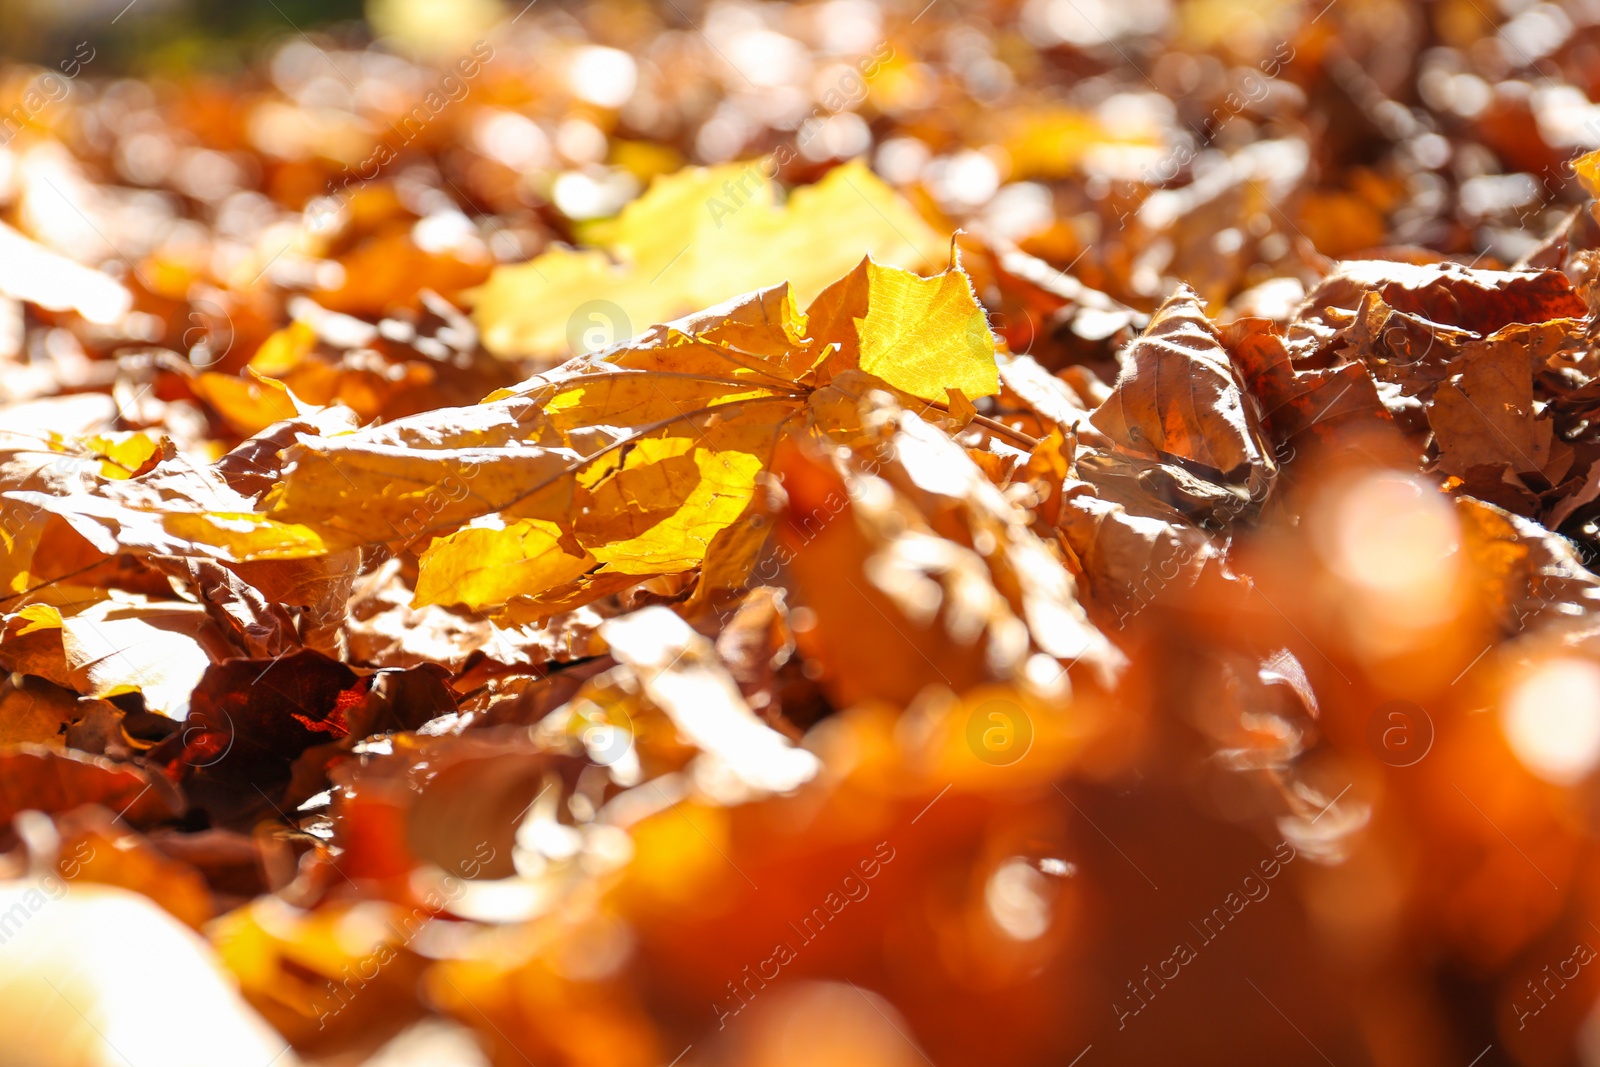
(1044,533)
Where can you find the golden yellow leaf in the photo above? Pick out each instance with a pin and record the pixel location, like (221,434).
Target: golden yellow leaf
(122,454)
(285,349)
(1240,25)
(659,512)
(427,472)
(246,536)
(696,238)
(493,560)
(39,617)
(920,335)
(1052,141)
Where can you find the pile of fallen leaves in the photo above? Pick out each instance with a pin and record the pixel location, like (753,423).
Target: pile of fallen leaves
(1044,533)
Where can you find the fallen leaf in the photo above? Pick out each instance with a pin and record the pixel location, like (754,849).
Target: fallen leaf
(695,239)
(59,780)
(1178,395)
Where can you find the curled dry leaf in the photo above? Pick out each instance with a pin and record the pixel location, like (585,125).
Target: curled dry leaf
(1178,396)
(909,548)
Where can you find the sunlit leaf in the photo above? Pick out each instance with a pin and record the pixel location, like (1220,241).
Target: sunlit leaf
(695,239)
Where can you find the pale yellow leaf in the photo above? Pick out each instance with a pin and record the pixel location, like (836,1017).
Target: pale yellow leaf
(91,978)
(697,238)
(681,675)
(132,644)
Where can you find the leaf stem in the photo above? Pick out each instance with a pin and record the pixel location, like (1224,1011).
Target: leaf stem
(995,428)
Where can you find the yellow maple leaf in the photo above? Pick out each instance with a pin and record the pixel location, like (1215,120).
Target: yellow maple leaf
(644,461)
(696,238)
(923,336)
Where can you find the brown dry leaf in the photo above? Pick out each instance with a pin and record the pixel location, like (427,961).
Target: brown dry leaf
(36,711)
(1129,546)
(1046,395)
(1298,400)
(1528,574)
(1449,294)
(248,720)
(1483,414)
(488,802)
(1178,396)
(1038,308)
(58,780)
(31,643)
(1472,356)
(254,623)
(384,630)
(756,642)
(897,606)
(1407,352)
